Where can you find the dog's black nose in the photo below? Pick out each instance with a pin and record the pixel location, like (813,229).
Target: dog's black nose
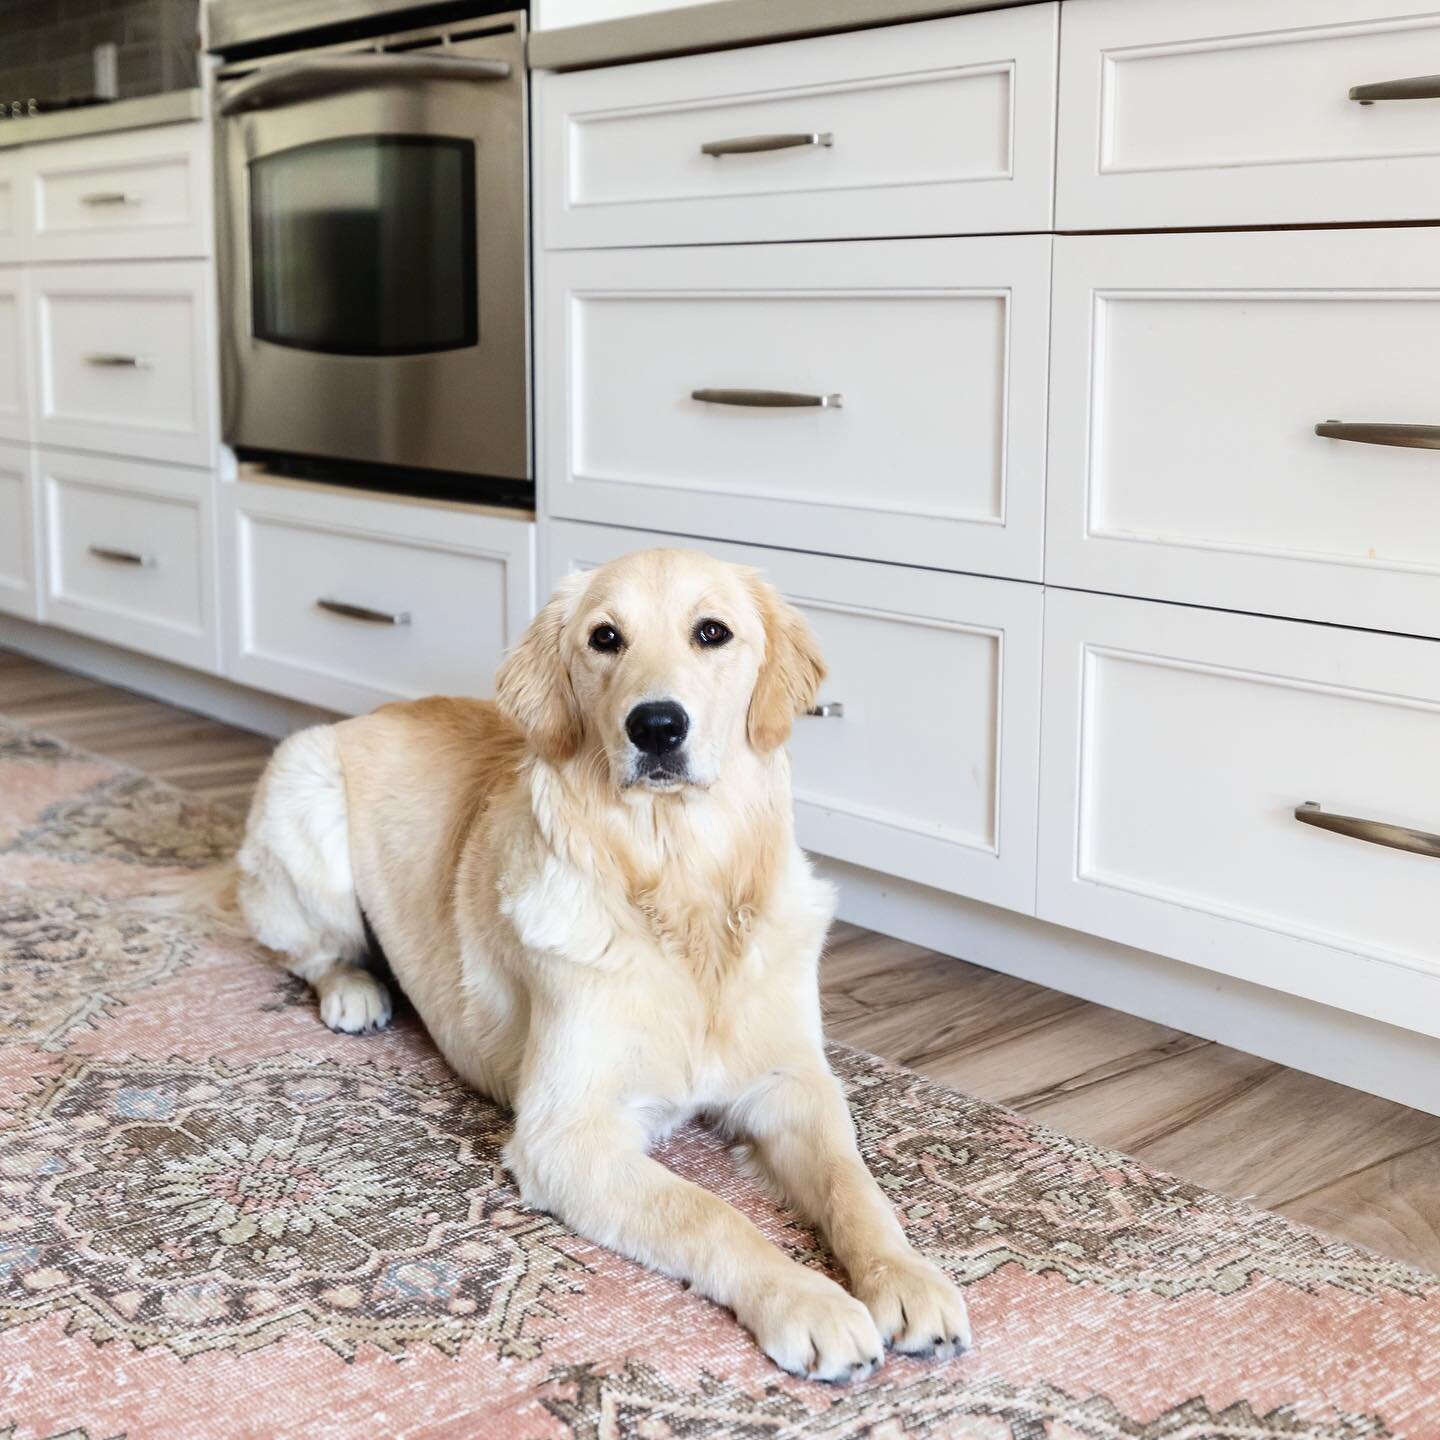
(657,727)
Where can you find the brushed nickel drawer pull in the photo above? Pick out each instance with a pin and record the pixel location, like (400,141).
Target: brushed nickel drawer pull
(364,612)
(119,362)
(1377,832)
(109,197)
(768,399)
(1418,87)
(122,557)
(1364,432)
(756,144)
(828,710)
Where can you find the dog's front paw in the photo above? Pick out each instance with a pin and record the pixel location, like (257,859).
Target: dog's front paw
(354,1001)
(809,1326)
(915,1307)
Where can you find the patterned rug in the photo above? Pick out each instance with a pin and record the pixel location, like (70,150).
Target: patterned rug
(219,1219)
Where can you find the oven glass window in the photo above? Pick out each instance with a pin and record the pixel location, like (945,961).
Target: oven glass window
(365,246)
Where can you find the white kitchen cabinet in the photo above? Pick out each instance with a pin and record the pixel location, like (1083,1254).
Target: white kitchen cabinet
(1238,112)
(1188,375)
(19,591)
(125,359)
(129,554)
(348,601)
(924,362)
(941,127)
(135,194)
(925,766)
(1177,744)
(15,354)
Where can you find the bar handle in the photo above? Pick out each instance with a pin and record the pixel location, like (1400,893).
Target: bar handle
(122,557)
(1417,87)
(119,362)
(1377,832)
(364,612)
(756,144)
(827,710)
(1365,432)
(768,399)
(308,79)
(109,197)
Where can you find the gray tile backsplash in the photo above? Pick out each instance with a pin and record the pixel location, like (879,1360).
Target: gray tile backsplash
(46,46)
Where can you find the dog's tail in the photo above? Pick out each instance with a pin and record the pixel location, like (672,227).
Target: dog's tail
(212,892)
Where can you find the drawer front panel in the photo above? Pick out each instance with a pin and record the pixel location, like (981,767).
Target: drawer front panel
(14,356)
(930,356)
(124,360)
(929,773)
(139,194)
(1238,112)
(441,595)
(1189,374)
(944,126)
(129,555)
(18,591)
(1178,744)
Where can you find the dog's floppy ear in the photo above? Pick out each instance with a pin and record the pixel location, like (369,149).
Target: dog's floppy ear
(789,680)
(533,686)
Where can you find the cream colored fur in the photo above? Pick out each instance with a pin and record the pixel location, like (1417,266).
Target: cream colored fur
(606,955)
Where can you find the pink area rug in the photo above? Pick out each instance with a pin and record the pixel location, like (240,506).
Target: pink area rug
(219,1219)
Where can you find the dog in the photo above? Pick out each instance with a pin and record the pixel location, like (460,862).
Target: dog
(591,893)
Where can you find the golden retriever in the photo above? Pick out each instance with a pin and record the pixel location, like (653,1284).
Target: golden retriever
(591,892)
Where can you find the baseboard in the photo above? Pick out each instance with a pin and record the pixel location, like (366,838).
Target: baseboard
(1400,1065)
(190,689)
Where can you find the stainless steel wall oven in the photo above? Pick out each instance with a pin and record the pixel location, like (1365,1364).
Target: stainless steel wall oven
(373,274)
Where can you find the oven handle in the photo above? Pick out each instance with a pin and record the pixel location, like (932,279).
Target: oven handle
(296,80)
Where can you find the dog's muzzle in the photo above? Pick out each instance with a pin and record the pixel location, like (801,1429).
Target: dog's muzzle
(657,729)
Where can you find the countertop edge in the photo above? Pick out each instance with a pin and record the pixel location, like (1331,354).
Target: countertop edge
(728,24)
(168,108)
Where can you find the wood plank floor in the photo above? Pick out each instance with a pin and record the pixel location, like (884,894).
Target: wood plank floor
(1328,1156)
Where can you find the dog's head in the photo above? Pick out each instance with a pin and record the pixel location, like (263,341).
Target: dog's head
(664,662)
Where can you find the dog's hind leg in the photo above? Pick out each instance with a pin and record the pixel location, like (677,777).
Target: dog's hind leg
(296,889)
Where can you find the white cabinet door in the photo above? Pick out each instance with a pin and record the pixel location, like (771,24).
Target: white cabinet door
(1178,744)
(1188,375)
(19,536)
(124,359)
(130,554)
(661,374)
(1238,112)
(929,771)
(135,194)
(937,128)
(349,601)
(14,354)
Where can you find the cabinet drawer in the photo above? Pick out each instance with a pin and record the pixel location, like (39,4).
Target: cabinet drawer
(12,204)
(941,127)
(930,772)
(124,359)
(14,355)
(19,594)
(1238,112)
(1177,745)
(930,355)
(1189,374)
(138,194)
(434,594)
(129,555)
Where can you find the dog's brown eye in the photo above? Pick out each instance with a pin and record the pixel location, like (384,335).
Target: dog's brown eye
(605,638)
(713,632)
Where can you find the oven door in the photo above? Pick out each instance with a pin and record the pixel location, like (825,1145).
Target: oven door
(372,254)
